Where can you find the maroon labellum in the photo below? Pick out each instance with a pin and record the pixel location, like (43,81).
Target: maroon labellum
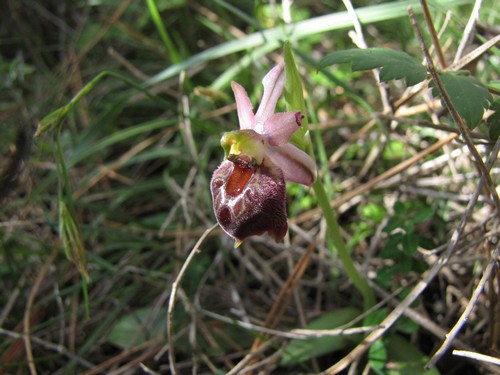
(249,199)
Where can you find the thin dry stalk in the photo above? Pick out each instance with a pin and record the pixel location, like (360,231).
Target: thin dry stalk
(471,56)
(477,356)
(469,30)
(173,295)
(250,357)
(27,312)
(47,345)
(286,293)
(465,315)
(98,369)
(297,333)
(432,31)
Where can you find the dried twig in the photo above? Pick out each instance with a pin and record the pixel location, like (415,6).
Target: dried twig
(286,293)
(297,333)
(27,311)
(477,356)
(453,333)
(432,31)
(173,294)
(465,315)
(471,56)
(469,30)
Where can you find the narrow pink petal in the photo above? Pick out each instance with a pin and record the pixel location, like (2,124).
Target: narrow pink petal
(273,82)
(280,127)
(243,107)
(297,166)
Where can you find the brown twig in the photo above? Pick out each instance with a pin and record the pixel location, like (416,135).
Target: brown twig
(465,315)
(98,369)
(474,54)
(29,305)
(469,30)
(173,295)
(432,31)
(285,295)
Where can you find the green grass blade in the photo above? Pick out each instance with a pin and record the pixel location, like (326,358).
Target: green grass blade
(297,31)
(169,45)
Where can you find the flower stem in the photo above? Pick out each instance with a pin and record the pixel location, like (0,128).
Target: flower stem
(340,246)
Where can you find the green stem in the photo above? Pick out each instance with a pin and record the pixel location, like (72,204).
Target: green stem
(295,99)
(334,231)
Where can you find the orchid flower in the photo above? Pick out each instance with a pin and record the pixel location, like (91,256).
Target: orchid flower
(248,188)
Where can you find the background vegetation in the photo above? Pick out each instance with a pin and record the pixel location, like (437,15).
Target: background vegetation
(99,211)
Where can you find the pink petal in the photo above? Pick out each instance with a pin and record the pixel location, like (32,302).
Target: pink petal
(280,127)
(273,82)
(297,166)
(243,107)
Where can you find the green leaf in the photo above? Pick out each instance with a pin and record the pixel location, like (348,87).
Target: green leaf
(294,95)
(55,118)
(162,30)
(137,327)
(422,215)
(394,64)
(374,212)
(406,325)
(298,351)
(377,356)
(52,120)
(395,150)
(391,248)
(469,97)
(410,243)
(71,239)
(385,276)
(494,121)
(495,85)
(405,358)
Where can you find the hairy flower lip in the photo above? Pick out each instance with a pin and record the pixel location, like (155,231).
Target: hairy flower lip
(249,200)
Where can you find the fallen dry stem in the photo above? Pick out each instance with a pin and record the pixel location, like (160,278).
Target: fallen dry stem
(286,293)
(173,295)
(297,333)
(477,356)
(465,315)
(98,369)
(432,31)
(27,312)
